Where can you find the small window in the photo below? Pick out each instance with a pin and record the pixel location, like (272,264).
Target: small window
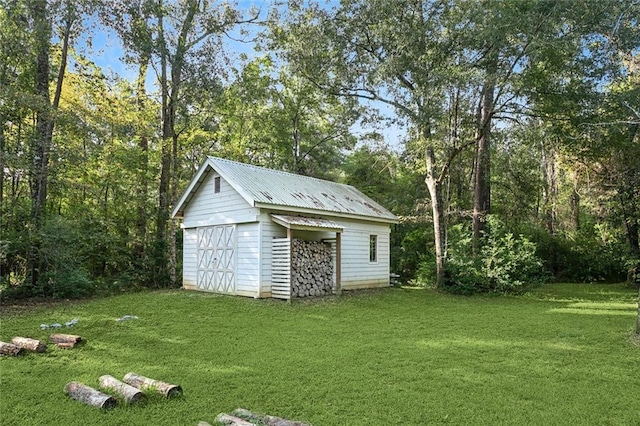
(216,185)
(373,248)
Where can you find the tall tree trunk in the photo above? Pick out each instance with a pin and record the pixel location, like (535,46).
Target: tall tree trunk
(574,202)
(549,189)
(482,175)
(162,217)
(434,185)
(170,158)
(143,189)
(1,169)
(631,196)
(44,121)
(638,317)
(42,138)
(173,257)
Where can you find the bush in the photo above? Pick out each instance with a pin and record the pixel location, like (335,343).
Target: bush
(588,255)
(65,276)
(409,259)
(505,264)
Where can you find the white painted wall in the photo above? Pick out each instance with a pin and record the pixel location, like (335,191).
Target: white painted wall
(207,208)
(248,259)
(190,258)
(357,270)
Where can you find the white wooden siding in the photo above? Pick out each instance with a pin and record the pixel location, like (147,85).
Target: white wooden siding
(269,231)
(208,209)
(357,270)
(281,268)
(248,259)
(190,259)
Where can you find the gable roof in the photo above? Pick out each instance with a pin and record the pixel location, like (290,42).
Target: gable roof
(274,189)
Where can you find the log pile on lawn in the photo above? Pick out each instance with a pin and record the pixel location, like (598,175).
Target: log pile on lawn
(130,391)
(243,417)
(9,349)
(265,419)
(29,344)
(130,394)
(311,268)
(66,341)
(90,396)
(141,382)
(227,419)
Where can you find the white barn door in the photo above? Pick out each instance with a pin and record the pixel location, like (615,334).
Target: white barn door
(216,258)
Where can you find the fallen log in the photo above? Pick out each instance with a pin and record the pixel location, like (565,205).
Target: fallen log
(227,419)
(130,394)
(90,396)
(32,345)
(66,340)
(265,419)
(141,382)
(9,349)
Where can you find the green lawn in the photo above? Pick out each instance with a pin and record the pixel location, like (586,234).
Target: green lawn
(560,355)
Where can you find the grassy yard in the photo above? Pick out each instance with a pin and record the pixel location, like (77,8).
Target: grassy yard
(560,355)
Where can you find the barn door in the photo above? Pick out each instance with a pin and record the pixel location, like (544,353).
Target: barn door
(216,258)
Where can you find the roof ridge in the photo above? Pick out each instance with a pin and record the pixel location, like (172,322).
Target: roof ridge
(278,171)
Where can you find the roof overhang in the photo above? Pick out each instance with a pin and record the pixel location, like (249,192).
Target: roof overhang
(308,211)
(306,223)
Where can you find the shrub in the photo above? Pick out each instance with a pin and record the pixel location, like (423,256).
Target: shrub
(66,275)
(505,264)
(410,259)
(588,255)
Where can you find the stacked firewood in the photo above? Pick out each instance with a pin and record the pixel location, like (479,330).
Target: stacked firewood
(311,269)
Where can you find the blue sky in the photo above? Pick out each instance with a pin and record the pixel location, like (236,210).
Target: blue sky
(105,50)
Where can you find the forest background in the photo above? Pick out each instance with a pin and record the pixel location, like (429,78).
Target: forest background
(504,134)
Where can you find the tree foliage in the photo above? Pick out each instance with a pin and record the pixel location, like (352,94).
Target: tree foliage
(526,112)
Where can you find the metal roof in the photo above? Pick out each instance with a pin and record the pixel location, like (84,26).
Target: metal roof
(263,187)
(302,222)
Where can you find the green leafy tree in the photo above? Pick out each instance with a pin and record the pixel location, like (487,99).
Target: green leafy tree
(181,39)
(270,117)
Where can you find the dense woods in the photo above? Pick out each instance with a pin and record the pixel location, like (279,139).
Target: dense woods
(504,134)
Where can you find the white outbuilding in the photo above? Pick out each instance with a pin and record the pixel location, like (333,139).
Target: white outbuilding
(258,232)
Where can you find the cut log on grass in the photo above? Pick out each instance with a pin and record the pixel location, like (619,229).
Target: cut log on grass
(265,419)
(90,396)
(10,349)
(130,394)
(227,419)
(32,345)
(141,382)
(66,340)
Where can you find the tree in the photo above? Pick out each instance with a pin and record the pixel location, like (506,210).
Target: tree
(414,55)
(45,110)
(181,39)
(273,118)
(392,53)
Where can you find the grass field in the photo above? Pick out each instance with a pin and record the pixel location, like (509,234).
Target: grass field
(562,354)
